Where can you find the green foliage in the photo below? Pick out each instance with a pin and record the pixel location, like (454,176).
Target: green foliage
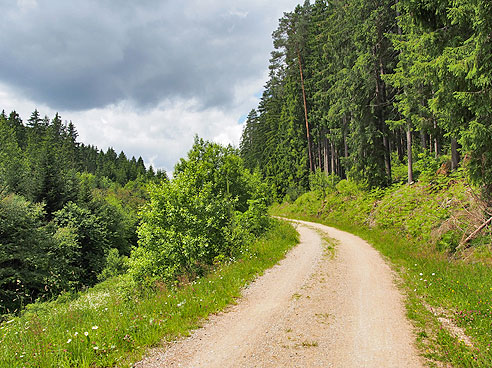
(477,139)
(119,221)
(92,237)
(293,192)
(64,270)
(203,215)
(123,327)
(24,243)
(322,182)
(115,265)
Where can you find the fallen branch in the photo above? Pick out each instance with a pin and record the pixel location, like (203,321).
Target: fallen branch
(472,235)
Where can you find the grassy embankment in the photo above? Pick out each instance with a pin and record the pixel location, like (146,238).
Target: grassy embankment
(419,229)
(104,326)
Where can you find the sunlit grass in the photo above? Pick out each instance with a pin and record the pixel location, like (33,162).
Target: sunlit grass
(105,326)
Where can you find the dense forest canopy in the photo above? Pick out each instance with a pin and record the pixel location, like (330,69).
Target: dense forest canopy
(66,209)
(359,88)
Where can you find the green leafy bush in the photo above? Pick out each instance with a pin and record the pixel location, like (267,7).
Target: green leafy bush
(203,215)
(115,265)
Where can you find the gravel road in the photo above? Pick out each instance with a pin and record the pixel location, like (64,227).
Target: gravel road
(314,309)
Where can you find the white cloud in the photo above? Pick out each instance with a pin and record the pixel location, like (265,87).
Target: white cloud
(142,77)
(27,4)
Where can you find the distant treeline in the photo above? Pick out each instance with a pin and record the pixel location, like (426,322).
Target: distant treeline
(360,87)
(67,211)
(47,147)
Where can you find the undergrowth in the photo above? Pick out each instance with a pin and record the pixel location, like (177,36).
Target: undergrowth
(105,326)
(418,228)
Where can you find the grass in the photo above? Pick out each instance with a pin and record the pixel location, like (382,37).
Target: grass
(104,327)
(431,275)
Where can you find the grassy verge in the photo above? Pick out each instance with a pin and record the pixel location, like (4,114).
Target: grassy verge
(438,287)
(104,327)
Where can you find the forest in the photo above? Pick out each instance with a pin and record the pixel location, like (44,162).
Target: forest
(366,89)
(72,216)
(64,209)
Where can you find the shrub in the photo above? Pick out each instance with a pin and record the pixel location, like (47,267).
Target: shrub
(206,213)
(115,265)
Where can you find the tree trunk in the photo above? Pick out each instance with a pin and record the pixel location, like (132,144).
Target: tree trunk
(339,168)
(423,140)
(305,109)
(325,153)
(399,144)
(332,146)
(455,157)
(345,143)
(409,154)
(437,148)
(387,156)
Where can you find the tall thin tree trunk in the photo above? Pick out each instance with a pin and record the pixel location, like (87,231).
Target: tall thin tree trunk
(325,152)
(437,148)
(345,143)
(332,146)
(345,146)
(387,156)
(409,154)
(455,157)
(305,109)
(337,162)
(399,144)
(423,140)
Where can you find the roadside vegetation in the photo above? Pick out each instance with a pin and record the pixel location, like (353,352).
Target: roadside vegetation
(201,237)
(421,229)
(106,325)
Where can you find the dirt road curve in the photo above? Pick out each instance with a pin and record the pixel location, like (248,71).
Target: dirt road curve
(311,310)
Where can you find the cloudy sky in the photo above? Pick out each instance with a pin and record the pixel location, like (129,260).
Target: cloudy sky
(139,76)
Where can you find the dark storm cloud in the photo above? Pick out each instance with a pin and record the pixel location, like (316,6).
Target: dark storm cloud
(88,54)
